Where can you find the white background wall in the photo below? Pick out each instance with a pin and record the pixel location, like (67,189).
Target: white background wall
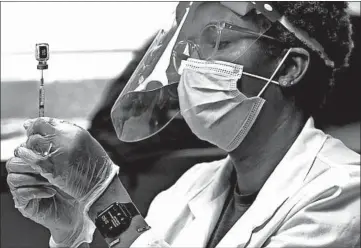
(88,40)
(98,30)
(79,26)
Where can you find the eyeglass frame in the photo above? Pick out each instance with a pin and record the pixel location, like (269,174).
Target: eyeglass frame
(220,25)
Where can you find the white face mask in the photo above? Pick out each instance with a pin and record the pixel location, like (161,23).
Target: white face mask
(213,107)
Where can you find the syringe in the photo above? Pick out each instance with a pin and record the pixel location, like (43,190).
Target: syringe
(41,96)
(42,55)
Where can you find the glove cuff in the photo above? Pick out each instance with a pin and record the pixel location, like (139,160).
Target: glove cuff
(88,228)
(85,236)
(91,197)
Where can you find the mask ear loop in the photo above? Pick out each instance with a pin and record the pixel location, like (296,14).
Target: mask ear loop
(274,73)
(259,77)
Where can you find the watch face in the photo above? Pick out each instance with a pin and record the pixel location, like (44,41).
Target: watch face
(112,221)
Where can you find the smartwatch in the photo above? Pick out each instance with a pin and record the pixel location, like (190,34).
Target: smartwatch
(115,219)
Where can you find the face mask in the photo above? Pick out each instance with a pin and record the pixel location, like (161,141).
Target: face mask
(213,107)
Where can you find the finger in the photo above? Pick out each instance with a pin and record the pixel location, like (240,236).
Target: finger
(36,161)
(38,143)
(18,165)
(23,195)
(27,155)
(31,209)
(39,210)
(28,122)
(16,180)
(43,126)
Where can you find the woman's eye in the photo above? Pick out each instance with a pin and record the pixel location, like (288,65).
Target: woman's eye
(223,44)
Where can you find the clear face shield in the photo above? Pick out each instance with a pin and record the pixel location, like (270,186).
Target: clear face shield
(225,31)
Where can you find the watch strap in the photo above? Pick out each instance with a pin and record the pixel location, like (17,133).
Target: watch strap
(130,209)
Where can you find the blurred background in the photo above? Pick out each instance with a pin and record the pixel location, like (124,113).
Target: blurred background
(94,48)
(90,43)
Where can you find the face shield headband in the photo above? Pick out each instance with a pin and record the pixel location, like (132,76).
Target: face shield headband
(223,31)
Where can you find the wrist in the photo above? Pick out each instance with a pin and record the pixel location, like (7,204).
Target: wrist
(83,245)
(115,192)
(66,237)
(79,235)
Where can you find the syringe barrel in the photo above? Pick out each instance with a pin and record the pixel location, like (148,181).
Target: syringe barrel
(41,97)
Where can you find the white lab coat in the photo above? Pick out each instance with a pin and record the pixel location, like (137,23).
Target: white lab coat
(312,199)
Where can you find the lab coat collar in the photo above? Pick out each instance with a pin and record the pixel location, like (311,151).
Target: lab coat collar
(284,180)
(205,203)
(214,187)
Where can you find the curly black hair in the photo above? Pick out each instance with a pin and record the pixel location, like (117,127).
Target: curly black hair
(328,23)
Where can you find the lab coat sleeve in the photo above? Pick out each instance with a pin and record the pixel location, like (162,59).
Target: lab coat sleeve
(151,238)
(331,219)
(162,207)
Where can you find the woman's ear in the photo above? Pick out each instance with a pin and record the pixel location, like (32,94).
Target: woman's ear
(295,67)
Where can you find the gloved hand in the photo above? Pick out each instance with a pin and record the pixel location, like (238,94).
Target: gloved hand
(69,158)
(45,204)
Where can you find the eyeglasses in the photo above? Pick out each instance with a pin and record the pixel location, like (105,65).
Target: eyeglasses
(215,39)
